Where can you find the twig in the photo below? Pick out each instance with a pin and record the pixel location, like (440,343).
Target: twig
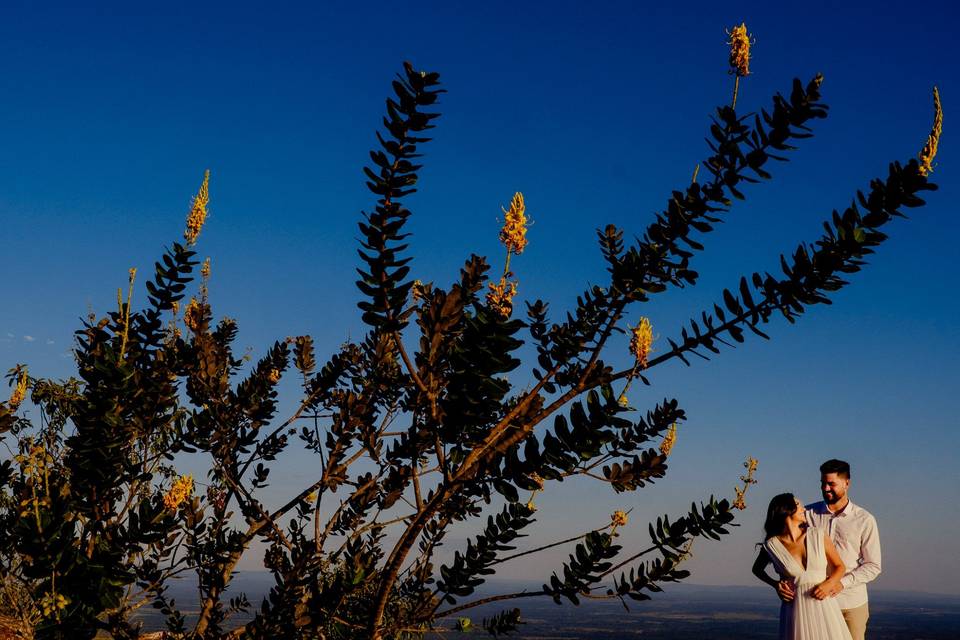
(477,603)
(549,546)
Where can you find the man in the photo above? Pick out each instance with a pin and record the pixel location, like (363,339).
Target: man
(854,532)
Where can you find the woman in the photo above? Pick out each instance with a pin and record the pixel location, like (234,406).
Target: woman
(806,557)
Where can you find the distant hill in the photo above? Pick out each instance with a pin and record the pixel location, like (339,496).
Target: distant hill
(684,612)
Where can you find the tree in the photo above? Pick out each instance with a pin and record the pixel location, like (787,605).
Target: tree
(95,519)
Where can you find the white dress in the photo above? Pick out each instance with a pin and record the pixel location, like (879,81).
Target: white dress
(807,618)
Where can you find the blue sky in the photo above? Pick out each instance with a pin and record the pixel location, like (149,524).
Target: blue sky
(110,113)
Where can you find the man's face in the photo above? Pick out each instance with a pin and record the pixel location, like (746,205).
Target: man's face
(833,487)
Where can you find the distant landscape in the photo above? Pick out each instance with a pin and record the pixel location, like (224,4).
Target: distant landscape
(684,612)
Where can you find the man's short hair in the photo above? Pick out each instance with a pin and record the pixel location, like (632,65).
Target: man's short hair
(839,467)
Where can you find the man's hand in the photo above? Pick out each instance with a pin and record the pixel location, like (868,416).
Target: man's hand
(786,591)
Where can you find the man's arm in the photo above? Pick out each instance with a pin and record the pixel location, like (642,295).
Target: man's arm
(869,567)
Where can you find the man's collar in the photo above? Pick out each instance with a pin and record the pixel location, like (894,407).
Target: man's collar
(848,509)
(822,508)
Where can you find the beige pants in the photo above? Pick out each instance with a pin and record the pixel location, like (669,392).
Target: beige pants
(856,620)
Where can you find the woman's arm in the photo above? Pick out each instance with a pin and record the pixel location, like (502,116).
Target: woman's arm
(760,569)
(785,590)
(831,586)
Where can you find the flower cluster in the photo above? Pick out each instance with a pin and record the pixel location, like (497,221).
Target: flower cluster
(274,376)
(33,504)
(513,235)
(669,440)
(198,211)
(193,315)
(51,604)
(929,151)
(640,342)
(619,518)
(536,479)
(500,296)
(35,465)
(181,489)
(739,50)
(19,390)
(740,503)
(417,291)
(747,479)
(35,462)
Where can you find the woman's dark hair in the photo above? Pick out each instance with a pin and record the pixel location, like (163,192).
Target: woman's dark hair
(781,507)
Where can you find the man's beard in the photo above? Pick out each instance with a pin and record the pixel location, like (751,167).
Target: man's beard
(832,498)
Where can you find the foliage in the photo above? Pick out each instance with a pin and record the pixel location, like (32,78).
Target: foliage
(95,519)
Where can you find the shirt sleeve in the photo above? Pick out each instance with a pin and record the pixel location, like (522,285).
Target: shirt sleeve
(869,567)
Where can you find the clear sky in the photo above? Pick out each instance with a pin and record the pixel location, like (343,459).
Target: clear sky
(110,113)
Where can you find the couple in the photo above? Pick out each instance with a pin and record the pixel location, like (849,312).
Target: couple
(825,554)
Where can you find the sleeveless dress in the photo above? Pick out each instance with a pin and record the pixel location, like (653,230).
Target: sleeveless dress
(807,618)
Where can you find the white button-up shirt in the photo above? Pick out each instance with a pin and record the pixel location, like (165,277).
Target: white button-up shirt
(854,532)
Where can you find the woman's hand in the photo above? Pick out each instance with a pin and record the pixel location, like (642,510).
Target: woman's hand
(832,585)
(827,589)
(784,588)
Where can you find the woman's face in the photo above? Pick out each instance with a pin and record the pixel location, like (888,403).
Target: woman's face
(798,516)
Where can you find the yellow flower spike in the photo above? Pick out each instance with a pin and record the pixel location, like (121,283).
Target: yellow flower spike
(740,50)
(191,315)
(739,57)
(181,489)
(669,440)
(513,235)
(618,519)
(929,151)
(531,506)
(751,466)
(641,341)
(416,290)
(205,269)
(274,376)
(131,276)
(198,211)
(19,390)
(500,296)
(739,503)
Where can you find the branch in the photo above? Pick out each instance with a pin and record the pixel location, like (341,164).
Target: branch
(406,361)
(477,603)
